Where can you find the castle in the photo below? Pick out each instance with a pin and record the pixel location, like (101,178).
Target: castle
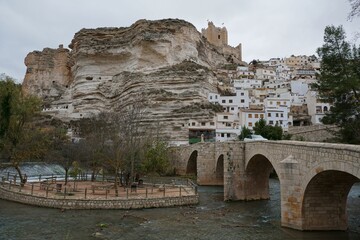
(219,37)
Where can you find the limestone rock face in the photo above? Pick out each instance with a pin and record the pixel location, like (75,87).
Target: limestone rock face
(48,73)
(167,61)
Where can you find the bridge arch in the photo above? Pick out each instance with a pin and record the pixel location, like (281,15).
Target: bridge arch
(220,170)
(258,170)
(325,189)
(191,167)
(324,200)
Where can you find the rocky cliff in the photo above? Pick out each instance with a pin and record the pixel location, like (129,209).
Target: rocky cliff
(167,61)
(48,73)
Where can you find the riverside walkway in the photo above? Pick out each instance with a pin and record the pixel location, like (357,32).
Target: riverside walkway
(99,195)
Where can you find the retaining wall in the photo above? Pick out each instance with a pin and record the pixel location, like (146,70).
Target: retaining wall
(97,204)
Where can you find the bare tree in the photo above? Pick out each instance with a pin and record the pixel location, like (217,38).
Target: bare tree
(355,9)
(115,139)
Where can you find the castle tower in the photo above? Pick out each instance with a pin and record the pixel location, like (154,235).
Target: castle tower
(215,35)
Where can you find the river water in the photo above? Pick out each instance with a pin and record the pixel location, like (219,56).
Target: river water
(211,219)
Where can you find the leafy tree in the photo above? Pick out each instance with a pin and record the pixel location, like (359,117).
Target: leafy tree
(20,139)
(245,132)
(268,131)
(287,136)
(260,128)
(274,132)
(156,159)
(339,83)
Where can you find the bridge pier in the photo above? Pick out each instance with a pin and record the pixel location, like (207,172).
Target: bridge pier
(290,188)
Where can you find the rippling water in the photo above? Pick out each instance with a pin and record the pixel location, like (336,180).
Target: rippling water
(211,219)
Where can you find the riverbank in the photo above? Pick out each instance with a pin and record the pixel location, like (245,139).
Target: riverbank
(99,195)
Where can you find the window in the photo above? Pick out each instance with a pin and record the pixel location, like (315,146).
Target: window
(269,114)
(210,97)
(222,135)
(228,135)
(277,115)
(278,103)
(271,102)
(226,117)
(271,122)
(242,100)
(261,115)
(230,101)
(203,124)
(212,123)
(256,115)
(250,124)
(281,115)
(242,94)
(218,36)
(215,96)
(192,124)
(232,109)
(281,122)
(223,101)
(250,115)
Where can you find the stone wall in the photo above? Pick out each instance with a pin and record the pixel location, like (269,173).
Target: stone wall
(314,133)
(97,204)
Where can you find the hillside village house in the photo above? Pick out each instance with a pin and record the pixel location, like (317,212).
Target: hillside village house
(280,93)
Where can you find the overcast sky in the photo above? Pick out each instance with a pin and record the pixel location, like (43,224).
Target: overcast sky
(266,28)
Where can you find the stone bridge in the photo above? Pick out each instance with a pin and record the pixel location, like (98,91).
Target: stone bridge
(315,178)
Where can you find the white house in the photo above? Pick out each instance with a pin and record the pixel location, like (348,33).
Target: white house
(247,83)
(316,108)
(278,116)
(227,127)
(248,117)
(265,73)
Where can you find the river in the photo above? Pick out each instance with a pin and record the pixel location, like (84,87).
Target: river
(211,219)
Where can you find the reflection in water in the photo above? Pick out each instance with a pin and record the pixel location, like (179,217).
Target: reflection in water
(211,219)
